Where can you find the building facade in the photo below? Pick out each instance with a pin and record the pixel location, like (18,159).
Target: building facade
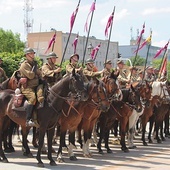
(39,41)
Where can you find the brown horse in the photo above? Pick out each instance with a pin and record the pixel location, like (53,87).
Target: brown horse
(72,116)
(53,106)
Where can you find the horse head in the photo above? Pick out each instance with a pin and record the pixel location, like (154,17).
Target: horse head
(112,87)
(160,89)
(98,95)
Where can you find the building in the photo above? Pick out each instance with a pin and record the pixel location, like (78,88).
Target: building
(127,51)
(39,41)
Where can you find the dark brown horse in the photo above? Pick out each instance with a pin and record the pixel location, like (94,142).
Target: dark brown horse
(47,116)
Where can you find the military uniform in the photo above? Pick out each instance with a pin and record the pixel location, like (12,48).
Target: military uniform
(122,78)
(106,72)
(149,77)
(89,73)
(50,72)
(70,67)
(26,71)
(3,76)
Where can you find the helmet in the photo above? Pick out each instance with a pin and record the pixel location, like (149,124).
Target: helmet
(52,55)
(29,50)
(89,60)
(74,55)
(108,62)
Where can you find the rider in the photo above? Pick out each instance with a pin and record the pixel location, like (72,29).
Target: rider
(30,88)
(132,76)
(122,78)
(50,72)
(89,70)
(73,64)
(107,68)
(3,76)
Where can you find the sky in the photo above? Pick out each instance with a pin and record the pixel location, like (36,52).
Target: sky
(129,18)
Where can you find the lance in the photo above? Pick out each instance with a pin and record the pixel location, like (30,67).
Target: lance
(147,55)
(162,61)
(70,33)
(139,40)
(107,50)
(88,33)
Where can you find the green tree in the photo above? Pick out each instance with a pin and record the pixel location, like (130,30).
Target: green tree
(139,61)
(10,42)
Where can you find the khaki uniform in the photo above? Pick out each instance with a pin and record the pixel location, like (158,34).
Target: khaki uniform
(48,74)
(149,77)
(122,78)
(133,78)
(90,73)
(3,76)
(70,67)
(32,82)
(106,73)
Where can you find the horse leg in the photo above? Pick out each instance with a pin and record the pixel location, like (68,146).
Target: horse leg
(123,124)
(26,148)
(130,138)
(143,134)
(151,122)
(35,136)
(40,145)
(86,144)
(50,134)
(2,155)
(71,146)
(106,140)
(166,120)
(157,126)
(161,132)
(62,144)
(101,136)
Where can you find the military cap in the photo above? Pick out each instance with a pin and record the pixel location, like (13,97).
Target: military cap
(89,60)
(108,62)
(74,55)
(29,50)
(149,67)
(52,55)
(141,72)
(120,62)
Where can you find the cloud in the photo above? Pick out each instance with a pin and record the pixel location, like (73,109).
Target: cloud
(152,11)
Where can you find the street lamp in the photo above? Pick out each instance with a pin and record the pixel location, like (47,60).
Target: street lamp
(90,48)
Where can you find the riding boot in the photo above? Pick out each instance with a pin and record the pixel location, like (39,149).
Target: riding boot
(29,111)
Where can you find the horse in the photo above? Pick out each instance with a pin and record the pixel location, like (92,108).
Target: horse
(120,110)
(47,116)
(160,89)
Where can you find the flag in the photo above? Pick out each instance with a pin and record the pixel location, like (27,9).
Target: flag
(147,41)
(109,22)
(160,51)
(73,16)
(163,68)
(140,36)
(51,42)
(91,10)
(74,44)
(94,51)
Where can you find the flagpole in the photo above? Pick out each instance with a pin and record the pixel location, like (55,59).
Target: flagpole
(147,55)
(109,36)
(84,54)
(69,36)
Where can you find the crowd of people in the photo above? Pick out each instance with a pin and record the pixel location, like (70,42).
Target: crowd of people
(33,78)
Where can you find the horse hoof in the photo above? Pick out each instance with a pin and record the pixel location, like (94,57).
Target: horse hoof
(4,160)
(125,150)
(159,141)
(109,151)
(145,144)
(8,150)
(29,155)
(93,145)
(60,160)
(87,156)
(101,152)
(52,163)
(163,139)
(41,165)
(73,158)
(150,141)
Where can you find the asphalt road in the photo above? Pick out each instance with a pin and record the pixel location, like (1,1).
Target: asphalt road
(154,156)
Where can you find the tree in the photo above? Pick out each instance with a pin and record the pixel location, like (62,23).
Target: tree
(139,61)
(10,42)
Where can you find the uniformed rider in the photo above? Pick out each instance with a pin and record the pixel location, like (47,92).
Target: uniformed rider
(107,68)
(50,72)
(30,76)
